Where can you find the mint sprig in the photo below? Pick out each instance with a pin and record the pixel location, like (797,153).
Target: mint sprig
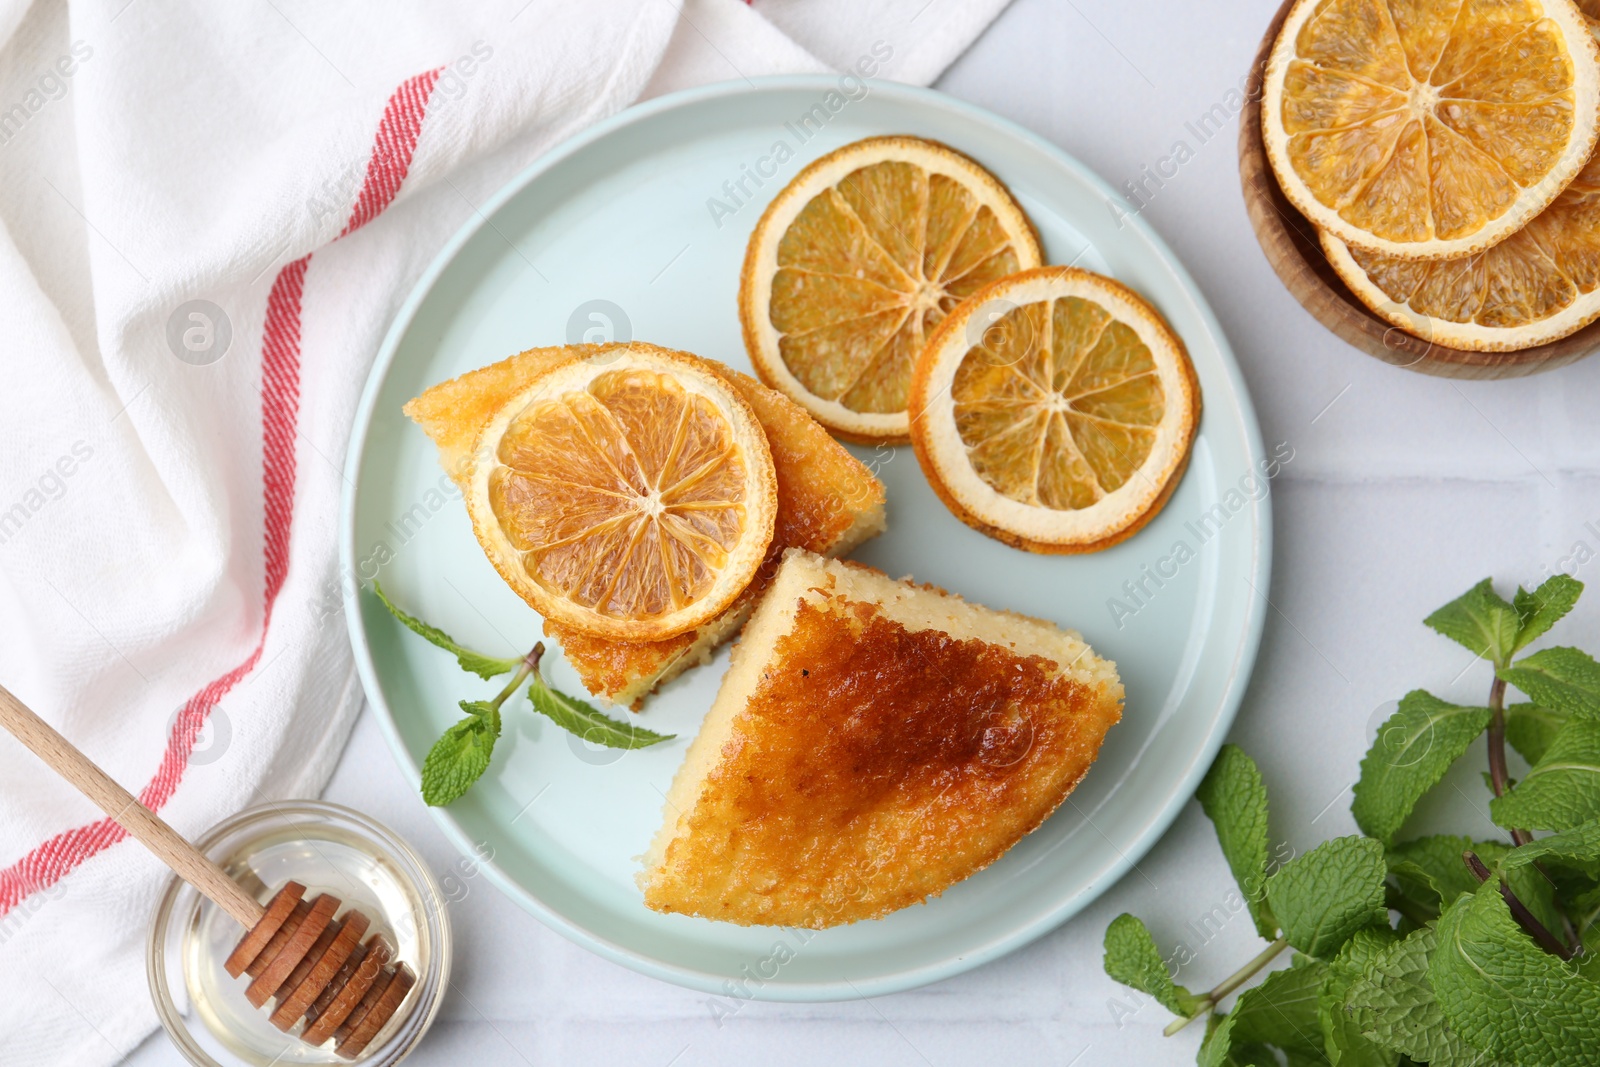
(1543,608)
(1393,1005)
(587,721)
(1281,1011)
(1234,798)
(1480,620)
(1344,1042)
(483,666)
(1325,896)
(1561,678)
(1530,728)
(464,751)
(1413,749)
(1133,960)
(1445,950)
(461,754)
(1505,995)
(1426,873)
(1562,791)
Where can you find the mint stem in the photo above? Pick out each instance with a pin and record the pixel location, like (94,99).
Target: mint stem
(530,665)
(1497,737)
(1519,911)
(1209,1002)
(1498,777)
(1498,780)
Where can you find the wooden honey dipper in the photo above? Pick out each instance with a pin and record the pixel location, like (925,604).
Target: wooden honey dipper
(301,954)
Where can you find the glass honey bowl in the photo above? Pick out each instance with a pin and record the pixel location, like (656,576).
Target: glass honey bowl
(328,849)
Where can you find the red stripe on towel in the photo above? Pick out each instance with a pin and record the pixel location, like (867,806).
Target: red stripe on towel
(392,149)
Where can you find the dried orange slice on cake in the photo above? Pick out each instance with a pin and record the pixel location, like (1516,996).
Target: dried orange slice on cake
(855,263)
(1054,411)
(631,497)
(1538,285)
(1429,129)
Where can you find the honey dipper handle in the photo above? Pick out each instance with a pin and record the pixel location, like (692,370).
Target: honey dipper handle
(170,847)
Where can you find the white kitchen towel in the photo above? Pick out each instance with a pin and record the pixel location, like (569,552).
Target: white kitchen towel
(208,215)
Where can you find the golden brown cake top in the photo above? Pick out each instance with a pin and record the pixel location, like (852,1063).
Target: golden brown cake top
(874,764)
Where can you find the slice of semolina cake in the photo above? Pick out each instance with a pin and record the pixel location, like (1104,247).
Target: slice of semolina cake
(873,743)
(828,502)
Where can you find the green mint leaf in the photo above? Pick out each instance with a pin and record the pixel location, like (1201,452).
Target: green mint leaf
(1410,894)
(1562,790)
(1564,679)
(1430,873)
(1282,1010)
(1584,907)
(1216,1047)
(1234,798)
(1578,847)
(1393,1006)
(1530,729)
(1481,620)
(461,755)
(587,721)
(1345,1045)
(1133,959)
(1589,963)
(1413,749)
(1293,1058)
(1429,870)
(1504,994)
(1537,894)
(1219,1049)
(1543,608)
(476,662)
(1222,1049)
(1323,897)
(1560,855)
(1581,895)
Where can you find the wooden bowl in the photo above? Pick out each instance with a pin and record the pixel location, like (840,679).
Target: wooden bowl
(1290,242)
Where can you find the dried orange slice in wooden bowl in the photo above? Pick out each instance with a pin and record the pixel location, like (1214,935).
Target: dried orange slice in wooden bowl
(631,496)
(1538,285)
(1590,10)
(1054,410)
(1429,128)
(857,261)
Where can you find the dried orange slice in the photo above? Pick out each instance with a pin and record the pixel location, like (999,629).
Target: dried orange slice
(1429,128)
(1538,285)
(855,263)
(1054,410)
(630,497)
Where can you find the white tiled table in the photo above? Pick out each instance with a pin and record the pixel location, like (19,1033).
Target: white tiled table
(1404,490)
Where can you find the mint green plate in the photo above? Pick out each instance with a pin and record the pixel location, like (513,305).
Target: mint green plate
(616,234)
